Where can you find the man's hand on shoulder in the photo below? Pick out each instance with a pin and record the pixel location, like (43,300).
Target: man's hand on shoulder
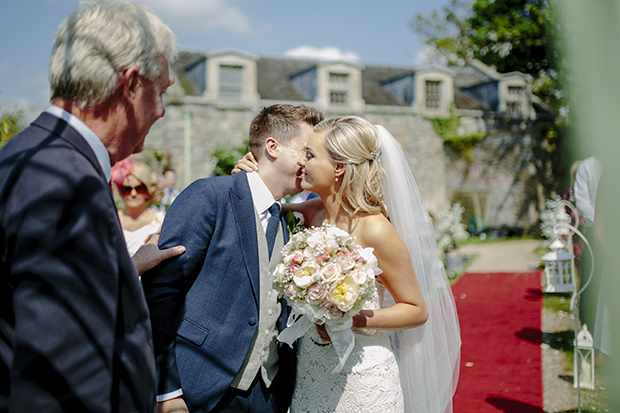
(149,256)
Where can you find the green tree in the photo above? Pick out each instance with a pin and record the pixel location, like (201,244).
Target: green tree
(10,125)
(511,35)
(227,158)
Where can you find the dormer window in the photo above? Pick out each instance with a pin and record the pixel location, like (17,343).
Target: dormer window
(231,82)
(338,88)
(433,94)
(514,101)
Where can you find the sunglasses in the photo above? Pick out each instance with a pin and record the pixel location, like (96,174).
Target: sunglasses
(126,190)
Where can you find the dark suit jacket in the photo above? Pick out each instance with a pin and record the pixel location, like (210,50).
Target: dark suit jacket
(205,303)
(74,328)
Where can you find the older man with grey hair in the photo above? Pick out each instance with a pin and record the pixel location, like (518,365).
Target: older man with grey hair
(75,334)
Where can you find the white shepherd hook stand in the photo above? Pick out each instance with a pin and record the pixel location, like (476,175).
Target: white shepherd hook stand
(574,308)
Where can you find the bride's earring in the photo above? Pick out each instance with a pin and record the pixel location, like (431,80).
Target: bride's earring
(336,179)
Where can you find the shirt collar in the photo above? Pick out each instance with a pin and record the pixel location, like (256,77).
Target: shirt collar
(261,196)
(101,153)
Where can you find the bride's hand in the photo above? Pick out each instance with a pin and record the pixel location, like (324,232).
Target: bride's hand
(248,163)
(323,333)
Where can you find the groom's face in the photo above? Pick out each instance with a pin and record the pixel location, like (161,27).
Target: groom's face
(290,170)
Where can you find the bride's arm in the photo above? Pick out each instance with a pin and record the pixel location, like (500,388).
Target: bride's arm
(312,210)
(398,277)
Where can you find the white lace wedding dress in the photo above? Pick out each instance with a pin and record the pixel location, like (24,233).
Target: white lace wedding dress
(369,380)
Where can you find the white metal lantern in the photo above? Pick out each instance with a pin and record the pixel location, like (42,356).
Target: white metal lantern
(562,218)
(583,367)
(559,269)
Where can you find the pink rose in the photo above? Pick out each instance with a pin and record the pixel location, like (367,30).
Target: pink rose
(330,310)
(290,289)
(297,256)
(294,268)
(316,292)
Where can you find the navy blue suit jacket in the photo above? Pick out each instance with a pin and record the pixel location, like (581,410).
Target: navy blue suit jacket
(74,328)
(205,303)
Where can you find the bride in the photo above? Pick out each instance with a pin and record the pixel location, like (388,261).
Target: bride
(407,342)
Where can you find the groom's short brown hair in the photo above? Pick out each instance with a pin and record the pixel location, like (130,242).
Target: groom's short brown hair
(280,122)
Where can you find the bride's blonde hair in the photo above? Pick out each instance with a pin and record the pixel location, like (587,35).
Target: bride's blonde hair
(353,141)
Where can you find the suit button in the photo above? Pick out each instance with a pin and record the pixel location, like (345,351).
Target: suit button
(252,321)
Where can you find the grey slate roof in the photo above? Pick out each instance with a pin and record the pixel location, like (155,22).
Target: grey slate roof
(274,80)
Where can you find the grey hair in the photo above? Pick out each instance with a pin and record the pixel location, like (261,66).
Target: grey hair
(98,42)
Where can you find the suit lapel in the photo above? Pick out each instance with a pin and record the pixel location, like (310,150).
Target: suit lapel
(243,208)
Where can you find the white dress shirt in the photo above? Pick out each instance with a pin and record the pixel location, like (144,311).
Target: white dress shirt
(585,187)
(101,153)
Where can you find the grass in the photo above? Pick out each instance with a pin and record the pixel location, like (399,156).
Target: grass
(488,240)
(596,400)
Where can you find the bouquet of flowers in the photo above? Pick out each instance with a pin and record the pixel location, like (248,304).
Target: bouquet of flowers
(326,281)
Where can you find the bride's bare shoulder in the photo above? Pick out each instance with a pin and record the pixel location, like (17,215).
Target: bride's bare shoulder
(374,230)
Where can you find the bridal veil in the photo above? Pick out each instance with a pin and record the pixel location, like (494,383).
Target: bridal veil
(428,356)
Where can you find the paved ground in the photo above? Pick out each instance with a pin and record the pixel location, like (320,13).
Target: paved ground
(512,256)
(505,256)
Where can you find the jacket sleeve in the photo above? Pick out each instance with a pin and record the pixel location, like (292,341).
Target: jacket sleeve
(190,221)
(60,236)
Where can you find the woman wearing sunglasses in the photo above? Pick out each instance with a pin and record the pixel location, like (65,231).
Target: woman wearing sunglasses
(137,186)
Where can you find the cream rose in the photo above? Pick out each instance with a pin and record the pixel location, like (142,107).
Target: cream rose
(306,274)
(345,294)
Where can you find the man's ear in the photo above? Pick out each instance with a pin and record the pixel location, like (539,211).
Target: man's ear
(340,169)
(131,82)
(272,148)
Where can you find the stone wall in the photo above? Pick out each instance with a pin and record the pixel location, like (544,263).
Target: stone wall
(501,181)
(209,127)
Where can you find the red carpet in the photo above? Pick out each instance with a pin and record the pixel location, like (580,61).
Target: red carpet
(501,359)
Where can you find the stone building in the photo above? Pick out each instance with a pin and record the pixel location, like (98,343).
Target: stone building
(219,92)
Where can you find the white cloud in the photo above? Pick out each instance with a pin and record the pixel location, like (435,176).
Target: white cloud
(325,53)
(201,16)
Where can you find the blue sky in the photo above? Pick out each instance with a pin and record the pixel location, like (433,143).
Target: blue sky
(370,31)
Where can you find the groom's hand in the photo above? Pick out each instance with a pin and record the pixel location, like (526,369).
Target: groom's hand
(323,333)
(176,405)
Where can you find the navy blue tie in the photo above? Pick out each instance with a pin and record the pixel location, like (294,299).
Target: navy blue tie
(272,226)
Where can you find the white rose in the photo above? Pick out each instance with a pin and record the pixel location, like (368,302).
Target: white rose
(346,262)
(315,239)
(300,217)
(331,272)
(359,275)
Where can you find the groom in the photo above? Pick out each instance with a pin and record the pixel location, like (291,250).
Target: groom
(214,312)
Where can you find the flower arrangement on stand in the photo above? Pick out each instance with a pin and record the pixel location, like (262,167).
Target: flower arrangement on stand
(449,228)
(548,220)
(449,231)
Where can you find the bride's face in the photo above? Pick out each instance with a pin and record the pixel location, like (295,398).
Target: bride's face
(317,169)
